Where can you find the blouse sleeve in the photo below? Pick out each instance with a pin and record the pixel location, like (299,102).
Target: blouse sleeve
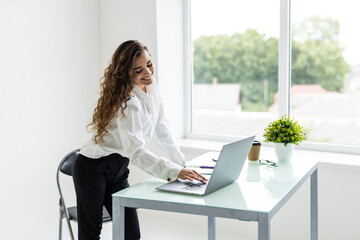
(164,136)
(132,138)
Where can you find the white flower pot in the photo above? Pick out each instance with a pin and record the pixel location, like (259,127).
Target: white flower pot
(284,153)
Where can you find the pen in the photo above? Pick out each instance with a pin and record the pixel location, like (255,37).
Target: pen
(209,167)
(197,166)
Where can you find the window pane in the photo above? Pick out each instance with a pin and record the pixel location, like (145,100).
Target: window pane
(235,65)
(325,87)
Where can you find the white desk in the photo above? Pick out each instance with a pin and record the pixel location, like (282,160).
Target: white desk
(258,195)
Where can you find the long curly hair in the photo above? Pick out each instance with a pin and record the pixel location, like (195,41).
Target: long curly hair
(115,88)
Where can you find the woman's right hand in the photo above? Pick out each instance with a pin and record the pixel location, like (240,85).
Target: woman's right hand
(189,174)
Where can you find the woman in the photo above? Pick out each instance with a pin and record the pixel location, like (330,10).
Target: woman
(127,114)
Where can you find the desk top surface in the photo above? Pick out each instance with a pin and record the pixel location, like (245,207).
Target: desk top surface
(259,188)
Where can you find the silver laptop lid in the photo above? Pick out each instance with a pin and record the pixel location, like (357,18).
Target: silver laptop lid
(229,164)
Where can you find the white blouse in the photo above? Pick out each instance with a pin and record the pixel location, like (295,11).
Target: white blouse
(130,136)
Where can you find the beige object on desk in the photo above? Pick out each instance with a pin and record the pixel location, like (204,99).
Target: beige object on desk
(254,153)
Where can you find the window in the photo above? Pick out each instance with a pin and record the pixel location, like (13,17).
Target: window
(325,82)
(235,49)
(235,66)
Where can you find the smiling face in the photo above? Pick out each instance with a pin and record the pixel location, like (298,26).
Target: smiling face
(143,70)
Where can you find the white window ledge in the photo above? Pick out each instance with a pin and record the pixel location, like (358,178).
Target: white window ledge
(326,159)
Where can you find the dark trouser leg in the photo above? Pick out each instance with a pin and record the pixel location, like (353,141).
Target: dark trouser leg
(90,185)
(95,180)
(132,230)
(117,180)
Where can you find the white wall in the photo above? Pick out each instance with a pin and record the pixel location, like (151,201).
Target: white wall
(49,71)
(122,20)
(170,41)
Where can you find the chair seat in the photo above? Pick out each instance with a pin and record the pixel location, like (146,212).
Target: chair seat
(73,214)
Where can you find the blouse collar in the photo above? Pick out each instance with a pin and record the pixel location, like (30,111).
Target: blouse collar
(140,93)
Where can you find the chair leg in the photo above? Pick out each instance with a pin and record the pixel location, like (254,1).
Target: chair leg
(70,229)
(60,225)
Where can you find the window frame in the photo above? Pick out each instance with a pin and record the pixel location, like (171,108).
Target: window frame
(284,82)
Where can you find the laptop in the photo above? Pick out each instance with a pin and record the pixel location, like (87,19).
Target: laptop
(227,170)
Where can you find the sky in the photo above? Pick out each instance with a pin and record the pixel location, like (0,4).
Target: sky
(264,15)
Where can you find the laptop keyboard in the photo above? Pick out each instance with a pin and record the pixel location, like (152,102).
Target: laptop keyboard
(194,186)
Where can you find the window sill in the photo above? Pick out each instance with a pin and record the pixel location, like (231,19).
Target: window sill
(326,159)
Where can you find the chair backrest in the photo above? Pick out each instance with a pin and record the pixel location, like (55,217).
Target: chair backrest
(65,167)
(68,161)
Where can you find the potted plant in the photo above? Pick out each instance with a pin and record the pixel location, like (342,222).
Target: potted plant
(285,133)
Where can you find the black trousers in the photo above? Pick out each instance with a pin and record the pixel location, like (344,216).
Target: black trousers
(95,180)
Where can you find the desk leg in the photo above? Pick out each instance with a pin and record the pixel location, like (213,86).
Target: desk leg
(264,226)
(211,228)
(118,220)
(314,205)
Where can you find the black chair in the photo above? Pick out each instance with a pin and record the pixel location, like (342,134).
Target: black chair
(70,213)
